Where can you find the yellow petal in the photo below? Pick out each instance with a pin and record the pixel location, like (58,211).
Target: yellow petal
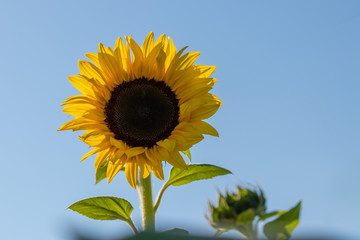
(185,111)
(92,132)
(137,59)
(101,158)
(94,114)
(151,59)
(186,77)
(122,54)
(144,167)
(131,152)
(205,128)
(167,144)
(187,60)
(195,90)
(110,51)
(89,70)
(82,84)
(94,58)
(136,50)
(161,153)
(212,99)
(78,109)
(78,124)
(199,108)
(149,153)
(185,136)
(161,40)
(204,112)
(172,65)
(78,99)
(206,71)
(131,172)
(110,67)
(96,141)
(160,60)
(170,53)
(118,144)
(148,44)
(177,160)
(113,168)
(158,172)
(92,152)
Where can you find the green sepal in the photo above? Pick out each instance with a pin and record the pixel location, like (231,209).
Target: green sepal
(282,227)
(100,174)
(104,208)
(246,217)
(195,172)
(187,153)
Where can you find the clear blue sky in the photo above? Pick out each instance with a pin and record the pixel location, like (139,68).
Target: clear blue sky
(288,75)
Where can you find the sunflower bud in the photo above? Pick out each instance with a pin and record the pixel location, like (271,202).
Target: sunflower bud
(237,210)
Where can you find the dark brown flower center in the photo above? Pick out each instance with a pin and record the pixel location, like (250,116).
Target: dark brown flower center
(142,112)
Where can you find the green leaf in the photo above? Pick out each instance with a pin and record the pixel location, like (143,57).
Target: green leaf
(270,214)
(104,208)
(187,153)
(194,172)
(100,174)
(282,227)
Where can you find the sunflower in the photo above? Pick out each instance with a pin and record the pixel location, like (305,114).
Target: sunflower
(141,106)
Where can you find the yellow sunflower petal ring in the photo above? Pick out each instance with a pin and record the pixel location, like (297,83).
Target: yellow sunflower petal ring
(141,106)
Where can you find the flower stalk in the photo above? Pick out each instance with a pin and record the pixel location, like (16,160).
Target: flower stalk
(146,204)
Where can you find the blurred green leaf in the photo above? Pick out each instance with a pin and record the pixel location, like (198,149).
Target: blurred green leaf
(194,172)
(100,174)
(177,231)
(170,236)
(104,208)
(282,227)
(187,153)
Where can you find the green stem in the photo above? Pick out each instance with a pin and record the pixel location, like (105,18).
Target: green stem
(146,203)
(248,232)
(255,230)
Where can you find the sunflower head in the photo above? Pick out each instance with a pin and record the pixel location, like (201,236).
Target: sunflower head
(141,106)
